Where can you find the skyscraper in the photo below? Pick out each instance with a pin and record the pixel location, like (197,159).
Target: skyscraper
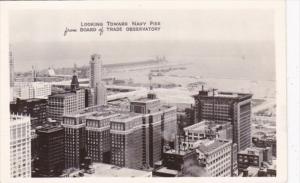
(223,107)
(159,127)
(65,103)
(98,136)
(68,102)
(50,151)
(11,68)
(75,142)
(96,79)
(20,146)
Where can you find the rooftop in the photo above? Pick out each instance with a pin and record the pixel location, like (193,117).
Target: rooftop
(62,95)
(101,115)
(251,150)
(199,126)
(222,94)
(50,129)
(211,145)
(107,170)
(126,117)
(179,152)
(165,170)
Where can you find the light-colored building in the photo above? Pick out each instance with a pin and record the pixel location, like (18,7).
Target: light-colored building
(26,90)
(208,130)
(20,146)
(11,68)
(215,156)
(107,170)
(96,79)
(65,103)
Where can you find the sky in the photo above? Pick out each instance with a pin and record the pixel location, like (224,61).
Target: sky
(37,37)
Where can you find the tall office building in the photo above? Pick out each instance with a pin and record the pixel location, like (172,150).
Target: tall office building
(20,146)
(128,146)
(68,102)
(50,152)
(223,107)
(11,68)
(96,79)
(75,140)
(65,103)
(98,136)
(159,127)
(154,130)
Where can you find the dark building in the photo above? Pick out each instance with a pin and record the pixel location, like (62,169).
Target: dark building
(75,140)
(50,161)
(89,97)
(185,118)
(74,82)
(34,107)
(179,163)
(98,136)
(223,107)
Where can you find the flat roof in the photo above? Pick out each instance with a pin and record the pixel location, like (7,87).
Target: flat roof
(107,170)
(145,99)
(254,150)
(126,117)
(199,126)
(50,129)
(223,94)
(167,171)
(62,95)
(211,145)
(179,152)
(101,115)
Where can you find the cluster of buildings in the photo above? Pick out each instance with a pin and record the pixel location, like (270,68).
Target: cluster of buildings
(75,132)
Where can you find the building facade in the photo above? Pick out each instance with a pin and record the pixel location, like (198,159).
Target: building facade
(207,130)
(36,108)
(159,126)
(65,103)
(11,68)
(27,90)
(20,146)
(126,150)
(75,140)
(223,107)
(215,156)
(96,79)
(250,157)
(50,152)
(98,136)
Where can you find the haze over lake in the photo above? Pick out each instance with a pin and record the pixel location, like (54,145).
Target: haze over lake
(220,59)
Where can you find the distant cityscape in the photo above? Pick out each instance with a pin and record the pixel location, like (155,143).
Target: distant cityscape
(129,120)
